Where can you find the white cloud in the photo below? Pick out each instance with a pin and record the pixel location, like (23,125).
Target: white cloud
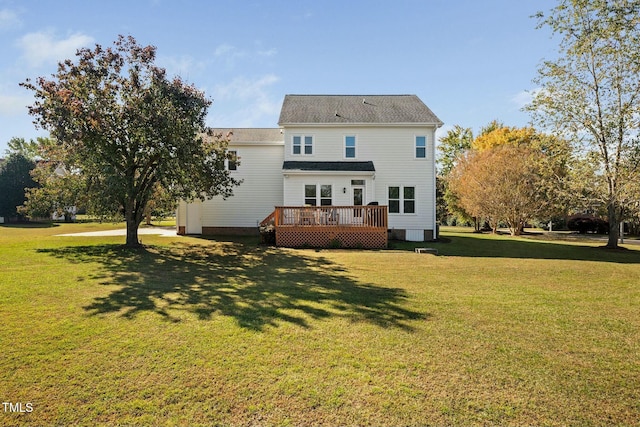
(244,88)
(43,47)
(225,49)
(183,66)
(9,19)
(525,97)
(13,105)
(255,104)
(230,55)
(268,52)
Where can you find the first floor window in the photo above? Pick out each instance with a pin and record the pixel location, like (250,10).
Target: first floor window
(325,195)
(318,193)
(402,200)
(394,199)
(310,198)
(409,201)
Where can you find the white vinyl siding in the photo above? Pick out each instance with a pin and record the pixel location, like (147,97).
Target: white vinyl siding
(392,150)
(261,189)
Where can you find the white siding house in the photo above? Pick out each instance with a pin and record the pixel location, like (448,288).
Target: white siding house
(260,156)
(334,150)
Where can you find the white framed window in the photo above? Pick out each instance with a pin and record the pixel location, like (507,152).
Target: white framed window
(318,194)
(409,200)
(232,162)
(402,199)
(350,147)
(302,145)
(394,200)
(310,195)
(421,147)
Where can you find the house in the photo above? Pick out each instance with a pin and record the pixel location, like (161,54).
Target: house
(334,161)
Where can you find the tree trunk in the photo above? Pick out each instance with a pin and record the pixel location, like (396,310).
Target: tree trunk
(614,226)
(132,233)
(132,227)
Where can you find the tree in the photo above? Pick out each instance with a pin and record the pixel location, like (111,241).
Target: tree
(21,146)
(591,92)
(15,177)
(500,184)
(451,146)
(59,192)
(504,135)
(125,127)
(457,141)
(512,175)
(160,204)
(551,159)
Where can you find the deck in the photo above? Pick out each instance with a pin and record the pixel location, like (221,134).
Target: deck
(329,226)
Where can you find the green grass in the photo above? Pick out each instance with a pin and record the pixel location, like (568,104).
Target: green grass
(495,330)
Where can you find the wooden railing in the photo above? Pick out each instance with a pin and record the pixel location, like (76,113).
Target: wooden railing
(336,216)
(270,220)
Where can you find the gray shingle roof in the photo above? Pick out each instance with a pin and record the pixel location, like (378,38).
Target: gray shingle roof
(251,134)
(355,109)
(329,166)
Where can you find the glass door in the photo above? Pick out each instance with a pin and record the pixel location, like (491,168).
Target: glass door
(358,199)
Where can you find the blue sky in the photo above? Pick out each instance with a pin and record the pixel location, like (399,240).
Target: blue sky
(470,61)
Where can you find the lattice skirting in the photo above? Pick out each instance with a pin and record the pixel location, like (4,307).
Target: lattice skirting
(320,237)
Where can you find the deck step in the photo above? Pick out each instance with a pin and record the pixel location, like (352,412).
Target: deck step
(433,251)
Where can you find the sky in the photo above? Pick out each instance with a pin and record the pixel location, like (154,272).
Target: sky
(470,61)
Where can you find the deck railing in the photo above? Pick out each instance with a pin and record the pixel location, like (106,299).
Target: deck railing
(336,216)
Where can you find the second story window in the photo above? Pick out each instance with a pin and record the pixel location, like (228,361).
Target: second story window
(421,147)
(350,147)
(303,145)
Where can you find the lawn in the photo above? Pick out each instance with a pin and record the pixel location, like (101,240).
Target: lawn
(190,331)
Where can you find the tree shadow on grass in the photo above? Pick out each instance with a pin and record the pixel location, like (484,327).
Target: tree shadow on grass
(30,224)
(255,286)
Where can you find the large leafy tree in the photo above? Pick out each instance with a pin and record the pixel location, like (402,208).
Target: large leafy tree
(591,93)
(500,184)
(15,179)
(512,175)
(120,123)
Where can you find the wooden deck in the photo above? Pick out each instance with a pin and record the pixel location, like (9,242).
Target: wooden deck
(329,226)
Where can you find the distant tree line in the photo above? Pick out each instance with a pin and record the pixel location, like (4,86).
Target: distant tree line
(588,157)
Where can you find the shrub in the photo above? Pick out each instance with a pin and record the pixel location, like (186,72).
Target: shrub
(584,225)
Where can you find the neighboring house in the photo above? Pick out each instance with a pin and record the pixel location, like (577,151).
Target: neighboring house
(330,151)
